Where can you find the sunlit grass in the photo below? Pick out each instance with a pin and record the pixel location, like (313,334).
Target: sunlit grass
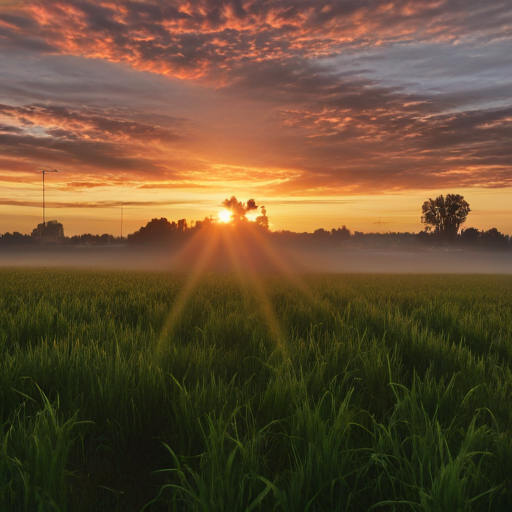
(204,392)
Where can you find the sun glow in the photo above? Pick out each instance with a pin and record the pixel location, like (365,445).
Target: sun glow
(252,215)
(225,216)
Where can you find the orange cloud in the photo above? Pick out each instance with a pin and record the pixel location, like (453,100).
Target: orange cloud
(202,38)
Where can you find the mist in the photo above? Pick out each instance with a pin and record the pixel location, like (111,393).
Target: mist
(252,256)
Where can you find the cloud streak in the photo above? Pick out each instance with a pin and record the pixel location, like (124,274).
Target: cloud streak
(93,204)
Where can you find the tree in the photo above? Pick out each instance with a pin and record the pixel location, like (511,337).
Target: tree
(341,234)
(182,225)
(494,239)
(155,231)
(470,237)
(445,215)
(321,233)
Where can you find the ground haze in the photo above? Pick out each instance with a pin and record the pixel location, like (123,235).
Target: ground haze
(305,259)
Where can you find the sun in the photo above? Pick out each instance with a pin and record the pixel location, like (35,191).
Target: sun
(225,216)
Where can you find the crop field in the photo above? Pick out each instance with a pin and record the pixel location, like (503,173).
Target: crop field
(130,391)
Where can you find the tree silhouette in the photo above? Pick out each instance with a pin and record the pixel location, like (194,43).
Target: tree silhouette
(155,231)
(470,237)
(494,239)
(445,215)
(341,234)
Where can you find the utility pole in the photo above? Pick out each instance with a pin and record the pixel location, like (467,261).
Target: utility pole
(121,222)
(44,171)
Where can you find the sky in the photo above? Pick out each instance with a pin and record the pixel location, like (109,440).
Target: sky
(329,113)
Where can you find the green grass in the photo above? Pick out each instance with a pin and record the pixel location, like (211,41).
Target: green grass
(389,393)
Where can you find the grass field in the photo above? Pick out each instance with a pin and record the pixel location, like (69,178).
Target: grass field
(125,390)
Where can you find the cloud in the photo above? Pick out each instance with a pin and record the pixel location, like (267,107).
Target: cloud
(77,185)
(88,139)
(326,133)
(292,97)
(68,150)
(208,37)
(174,186)
(86,123)
(95,204)
(360,136)
(13,39)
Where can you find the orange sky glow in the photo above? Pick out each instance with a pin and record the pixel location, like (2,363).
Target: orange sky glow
(328,113)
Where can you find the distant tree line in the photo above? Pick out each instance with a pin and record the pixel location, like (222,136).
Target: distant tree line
(443,217)
(88,239)
(470,238)
(17,238)
(158,231)
(162,232)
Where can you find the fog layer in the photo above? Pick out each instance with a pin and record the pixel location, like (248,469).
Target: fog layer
(275,259)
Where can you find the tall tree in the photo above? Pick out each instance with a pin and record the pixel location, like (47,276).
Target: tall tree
(445,214)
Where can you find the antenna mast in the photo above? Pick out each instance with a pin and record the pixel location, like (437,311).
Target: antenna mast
(44,171)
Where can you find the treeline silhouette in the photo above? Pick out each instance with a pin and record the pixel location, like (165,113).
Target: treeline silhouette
(162,232)
(17,238)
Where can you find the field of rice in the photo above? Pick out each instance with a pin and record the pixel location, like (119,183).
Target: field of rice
(131,391)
